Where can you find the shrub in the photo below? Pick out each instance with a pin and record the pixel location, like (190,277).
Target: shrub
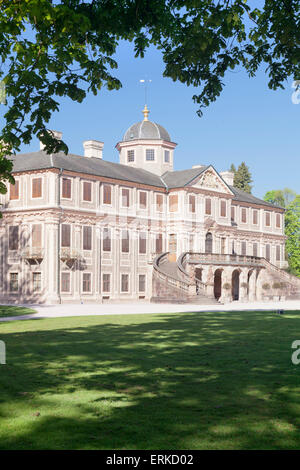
(266,286)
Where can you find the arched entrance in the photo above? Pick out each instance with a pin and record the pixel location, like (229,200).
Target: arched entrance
(198,274)
(208,243)
(235,284)
(218,284)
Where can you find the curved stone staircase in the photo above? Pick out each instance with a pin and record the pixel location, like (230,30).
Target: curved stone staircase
(171,284)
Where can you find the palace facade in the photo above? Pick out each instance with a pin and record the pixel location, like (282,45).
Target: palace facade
(82,229)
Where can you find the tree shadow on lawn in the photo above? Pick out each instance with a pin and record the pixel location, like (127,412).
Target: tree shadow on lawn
(182,381)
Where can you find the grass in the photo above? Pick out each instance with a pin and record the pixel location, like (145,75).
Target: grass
(220,380)
(13,311)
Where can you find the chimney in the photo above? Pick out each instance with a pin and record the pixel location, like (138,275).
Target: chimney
(56,134)
(227,177)
(93,148)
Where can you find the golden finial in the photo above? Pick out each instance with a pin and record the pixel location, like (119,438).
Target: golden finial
(146,112)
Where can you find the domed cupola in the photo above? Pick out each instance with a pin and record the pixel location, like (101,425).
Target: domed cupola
(147,145)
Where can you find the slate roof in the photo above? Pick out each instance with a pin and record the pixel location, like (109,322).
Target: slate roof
(94,166)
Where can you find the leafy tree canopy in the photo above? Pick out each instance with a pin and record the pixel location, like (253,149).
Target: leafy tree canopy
(280,197)
(51,49)
(292,231)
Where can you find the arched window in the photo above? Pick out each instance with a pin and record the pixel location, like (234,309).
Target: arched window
(208,243)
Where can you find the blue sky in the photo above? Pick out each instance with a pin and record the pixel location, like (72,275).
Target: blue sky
(248,122)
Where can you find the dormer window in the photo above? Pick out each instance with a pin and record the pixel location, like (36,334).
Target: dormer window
(150,155)
(130,156)
(167,156)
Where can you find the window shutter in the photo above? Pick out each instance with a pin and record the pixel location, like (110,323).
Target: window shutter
(66,188)
(14,190)
(66,235)
(142,242)
(255,217)
(37,236)
(87,237)
(13,241)
(208,206)
(106,194)
(87,191)
(278,220)
(125,197)
(244,215)
(125,241)
(268,219)
(232,213)
(37,187)
(158,243)
(223,209)
(106,239)
(174,203)
(192,201)
(159,202)
(143,200)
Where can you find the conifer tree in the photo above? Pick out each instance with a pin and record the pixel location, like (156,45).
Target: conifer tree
(242,178)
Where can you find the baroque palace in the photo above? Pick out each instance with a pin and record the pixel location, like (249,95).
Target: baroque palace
(82,229)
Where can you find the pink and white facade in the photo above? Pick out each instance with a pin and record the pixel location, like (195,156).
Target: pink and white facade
(82,229)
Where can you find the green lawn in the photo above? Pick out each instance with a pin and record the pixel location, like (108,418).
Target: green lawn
(169,381)
(13,311)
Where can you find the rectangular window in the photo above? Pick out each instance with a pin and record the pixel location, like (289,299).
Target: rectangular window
(150,155)
(36,187)
(278,220)
(87,191)
(106,239)
(65,282)
(173,202)
(223,208)
(13,238)
(142,243)
(277,252)
(125,197)
(106,282)
(254,249)
(192,203)
(208,206)
(268,253)
(36,236)
(158,243)
(255,217)
(106,194)
(232,213)
(66,188)
(244,248)
(268,219)
(66,236)
(37,282)
(223,241)
(14,190)
(167,156)
(130,155)
(125,283)
(87,237)
(142,282)
(125,241)
(159,202)
(86,282)
(244,215)
(13,282)
(143,200)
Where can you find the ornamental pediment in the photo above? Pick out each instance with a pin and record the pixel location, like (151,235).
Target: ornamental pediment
(211,181)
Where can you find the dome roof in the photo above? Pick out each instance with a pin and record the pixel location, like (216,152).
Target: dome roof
(146,130)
